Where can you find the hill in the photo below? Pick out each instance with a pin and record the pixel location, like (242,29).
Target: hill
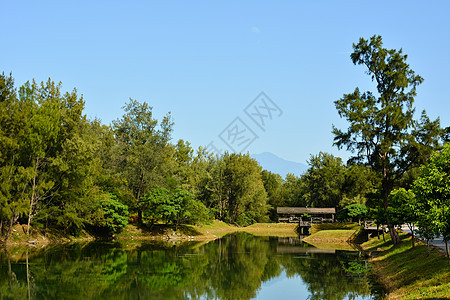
(275,164)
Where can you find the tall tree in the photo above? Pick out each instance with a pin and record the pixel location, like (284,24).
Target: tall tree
(324,180)
(294,190)
(14,116)
(273,184)
(359,185)
(245,193)
(212,185)
(142,149)
(383,132)
(41,139)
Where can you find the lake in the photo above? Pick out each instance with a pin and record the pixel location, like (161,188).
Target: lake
(237,266)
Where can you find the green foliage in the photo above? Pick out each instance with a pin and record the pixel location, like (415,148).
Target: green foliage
(324,180)
(359,185)
(233,188)
(141,148)
(177,207)
(115,214)
(403,207)
(246,198)
(383,132)
(353,211)
(273,184)
(432,190)
(293,190)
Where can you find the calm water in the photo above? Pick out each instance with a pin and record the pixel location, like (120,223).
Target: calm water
(238,266)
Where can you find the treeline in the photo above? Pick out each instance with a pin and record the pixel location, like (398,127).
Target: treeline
(60,170)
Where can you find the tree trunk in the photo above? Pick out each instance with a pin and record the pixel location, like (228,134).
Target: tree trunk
(378,231)
(394,235)
(11,222)
(411,227)
(446,250)
(30,213)
(138,198)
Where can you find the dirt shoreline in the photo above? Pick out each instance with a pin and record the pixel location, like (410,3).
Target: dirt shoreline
(209,232)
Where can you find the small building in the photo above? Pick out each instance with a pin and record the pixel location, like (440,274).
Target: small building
(297,214)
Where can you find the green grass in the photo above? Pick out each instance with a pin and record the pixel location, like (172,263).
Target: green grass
(210,231)
(409,273)
(219,229)
(337,234)
(333,236)
(334,226)
(271,229)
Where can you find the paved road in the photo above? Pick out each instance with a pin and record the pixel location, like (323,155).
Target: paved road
(439,241)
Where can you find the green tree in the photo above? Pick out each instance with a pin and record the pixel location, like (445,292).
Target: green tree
(246,197)
(212,187)
(273,184)
(191,210)
(14,116)
(324,180)
(74,166)
(432,190)
(41,139)
(114,215)
(293,190)
(177,207)
(142,149)
(447,134)
(383,132)
(403,209)
(359,185)
(354,211)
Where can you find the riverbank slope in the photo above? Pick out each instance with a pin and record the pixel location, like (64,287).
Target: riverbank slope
(206,232)
(403,271)
(338,236)
(409,273)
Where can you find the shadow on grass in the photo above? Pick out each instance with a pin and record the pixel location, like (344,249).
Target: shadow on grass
(404,265)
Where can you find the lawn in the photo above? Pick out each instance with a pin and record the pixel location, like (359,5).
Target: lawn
(410,273)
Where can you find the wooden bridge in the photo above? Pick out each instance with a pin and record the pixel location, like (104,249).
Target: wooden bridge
(298,214)
(306,216)
(371,228)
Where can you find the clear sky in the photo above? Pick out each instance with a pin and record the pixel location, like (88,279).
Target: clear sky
(206,61)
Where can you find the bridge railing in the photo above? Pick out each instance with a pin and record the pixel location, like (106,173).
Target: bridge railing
(304,223)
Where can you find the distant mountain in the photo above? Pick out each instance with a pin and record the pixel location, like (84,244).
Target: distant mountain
(275,164)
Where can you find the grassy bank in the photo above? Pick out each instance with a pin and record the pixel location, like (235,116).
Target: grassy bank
(410,273)
(131,232)
(404,272)
(37,237)
(326,235)
(211,231)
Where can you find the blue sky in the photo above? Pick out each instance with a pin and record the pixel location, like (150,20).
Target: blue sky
(205,61)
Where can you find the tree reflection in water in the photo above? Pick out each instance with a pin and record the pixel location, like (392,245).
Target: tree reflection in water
(233,267)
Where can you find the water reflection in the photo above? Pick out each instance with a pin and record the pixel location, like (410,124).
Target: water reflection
(238,266)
